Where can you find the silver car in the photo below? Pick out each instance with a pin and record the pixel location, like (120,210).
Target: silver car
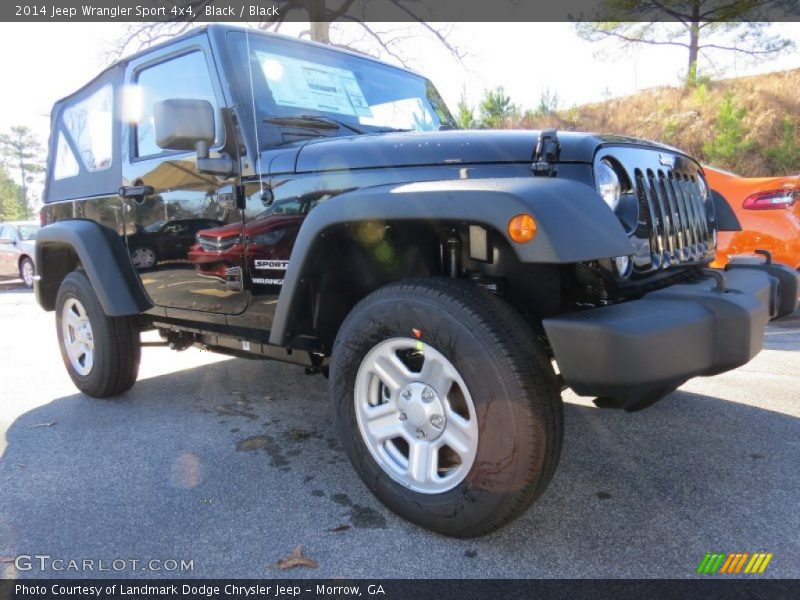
(17,241)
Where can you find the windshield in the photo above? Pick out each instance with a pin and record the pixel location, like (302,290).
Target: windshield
(28,232)
(291,80)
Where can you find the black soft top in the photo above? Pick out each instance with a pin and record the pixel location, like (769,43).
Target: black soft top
(104,181)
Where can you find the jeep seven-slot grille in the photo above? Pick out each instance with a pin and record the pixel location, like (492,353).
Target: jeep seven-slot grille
(677,220)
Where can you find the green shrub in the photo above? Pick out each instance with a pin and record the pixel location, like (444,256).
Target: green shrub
(671,129)
(785,156)
(700,94)
(729,143)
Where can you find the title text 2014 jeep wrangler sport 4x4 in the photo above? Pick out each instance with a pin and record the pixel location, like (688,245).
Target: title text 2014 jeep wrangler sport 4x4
(270,198)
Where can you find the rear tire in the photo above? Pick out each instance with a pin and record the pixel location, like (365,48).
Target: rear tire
(485,366)
(101,353)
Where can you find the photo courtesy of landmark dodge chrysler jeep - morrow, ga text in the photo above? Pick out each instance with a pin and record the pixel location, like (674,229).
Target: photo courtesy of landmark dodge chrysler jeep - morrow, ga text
(449,283)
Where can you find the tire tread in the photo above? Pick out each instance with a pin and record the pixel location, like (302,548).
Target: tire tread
(522,360)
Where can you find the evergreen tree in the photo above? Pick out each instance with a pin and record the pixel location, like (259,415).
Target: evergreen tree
(10,194)
(21,152)
(465,118)
(495,108)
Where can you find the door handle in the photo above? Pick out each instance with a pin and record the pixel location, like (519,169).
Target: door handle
(234,279)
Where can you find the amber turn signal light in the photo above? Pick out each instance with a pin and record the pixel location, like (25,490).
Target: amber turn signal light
(522,228)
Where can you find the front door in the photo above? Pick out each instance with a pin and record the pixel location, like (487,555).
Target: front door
(169,231)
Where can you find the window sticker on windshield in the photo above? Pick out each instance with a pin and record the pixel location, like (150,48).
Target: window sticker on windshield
(309,85)
(354,93)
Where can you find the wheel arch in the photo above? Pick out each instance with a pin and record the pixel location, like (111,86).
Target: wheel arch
(332,238)
(100,252)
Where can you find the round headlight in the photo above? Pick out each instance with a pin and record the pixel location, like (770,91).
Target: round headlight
(608,185)
(702,186)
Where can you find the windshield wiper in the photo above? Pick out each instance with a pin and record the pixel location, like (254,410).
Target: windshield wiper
(312,122)
(387,129)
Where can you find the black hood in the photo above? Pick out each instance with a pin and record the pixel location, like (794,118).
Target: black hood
(446,148)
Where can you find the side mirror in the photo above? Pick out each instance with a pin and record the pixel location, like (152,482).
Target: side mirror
(183,124)
(187,124)
(6,241)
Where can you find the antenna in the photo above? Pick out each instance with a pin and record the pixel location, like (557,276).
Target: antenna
(257,161)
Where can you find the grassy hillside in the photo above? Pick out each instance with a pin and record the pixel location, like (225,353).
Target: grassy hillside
(750,125)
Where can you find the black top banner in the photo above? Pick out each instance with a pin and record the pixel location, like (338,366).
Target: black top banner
(686,11)
(397,589)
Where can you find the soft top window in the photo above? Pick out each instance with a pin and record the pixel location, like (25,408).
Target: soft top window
(90,123)
(66,165)
(83,157)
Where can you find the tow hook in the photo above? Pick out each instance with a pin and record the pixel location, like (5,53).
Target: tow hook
(766,254)
(719,277)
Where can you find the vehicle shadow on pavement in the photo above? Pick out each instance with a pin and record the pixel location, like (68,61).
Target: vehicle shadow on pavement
(234,464)
(14,286)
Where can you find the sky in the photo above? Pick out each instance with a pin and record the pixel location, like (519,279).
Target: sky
(45,61)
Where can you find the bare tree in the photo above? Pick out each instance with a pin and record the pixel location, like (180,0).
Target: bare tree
(699,27)
(340,23)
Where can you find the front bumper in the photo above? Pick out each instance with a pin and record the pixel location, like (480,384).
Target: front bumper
(636,348)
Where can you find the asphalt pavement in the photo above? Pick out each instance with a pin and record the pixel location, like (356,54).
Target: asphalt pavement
(231,464)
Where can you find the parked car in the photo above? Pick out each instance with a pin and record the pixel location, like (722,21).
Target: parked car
(768,211)
(265,247)
(436,276)
(164,240)
(17,256)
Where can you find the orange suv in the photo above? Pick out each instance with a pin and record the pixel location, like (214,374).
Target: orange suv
(768,209)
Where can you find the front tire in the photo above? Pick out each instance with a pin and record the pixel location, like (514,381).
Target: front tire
(101,353)
(446,406)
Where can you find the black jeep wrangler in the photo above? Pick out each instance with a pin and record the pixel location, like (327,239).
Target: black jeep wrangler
(450,283)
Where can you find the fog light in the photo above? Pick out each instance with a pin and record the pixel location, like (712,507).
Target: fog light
(521,228)
(623,266)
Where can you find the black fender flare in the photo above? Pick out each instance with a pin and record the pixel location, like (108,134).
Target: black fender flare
(573,223)
(103,257)
(726,218)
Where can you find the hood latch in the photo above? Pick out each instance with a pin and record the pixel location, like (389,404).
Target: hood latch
(546,154)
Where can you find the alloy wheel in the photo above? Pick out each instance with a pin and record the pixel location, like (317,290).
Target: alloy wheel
(416,416)
(76,330)
(143,258)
